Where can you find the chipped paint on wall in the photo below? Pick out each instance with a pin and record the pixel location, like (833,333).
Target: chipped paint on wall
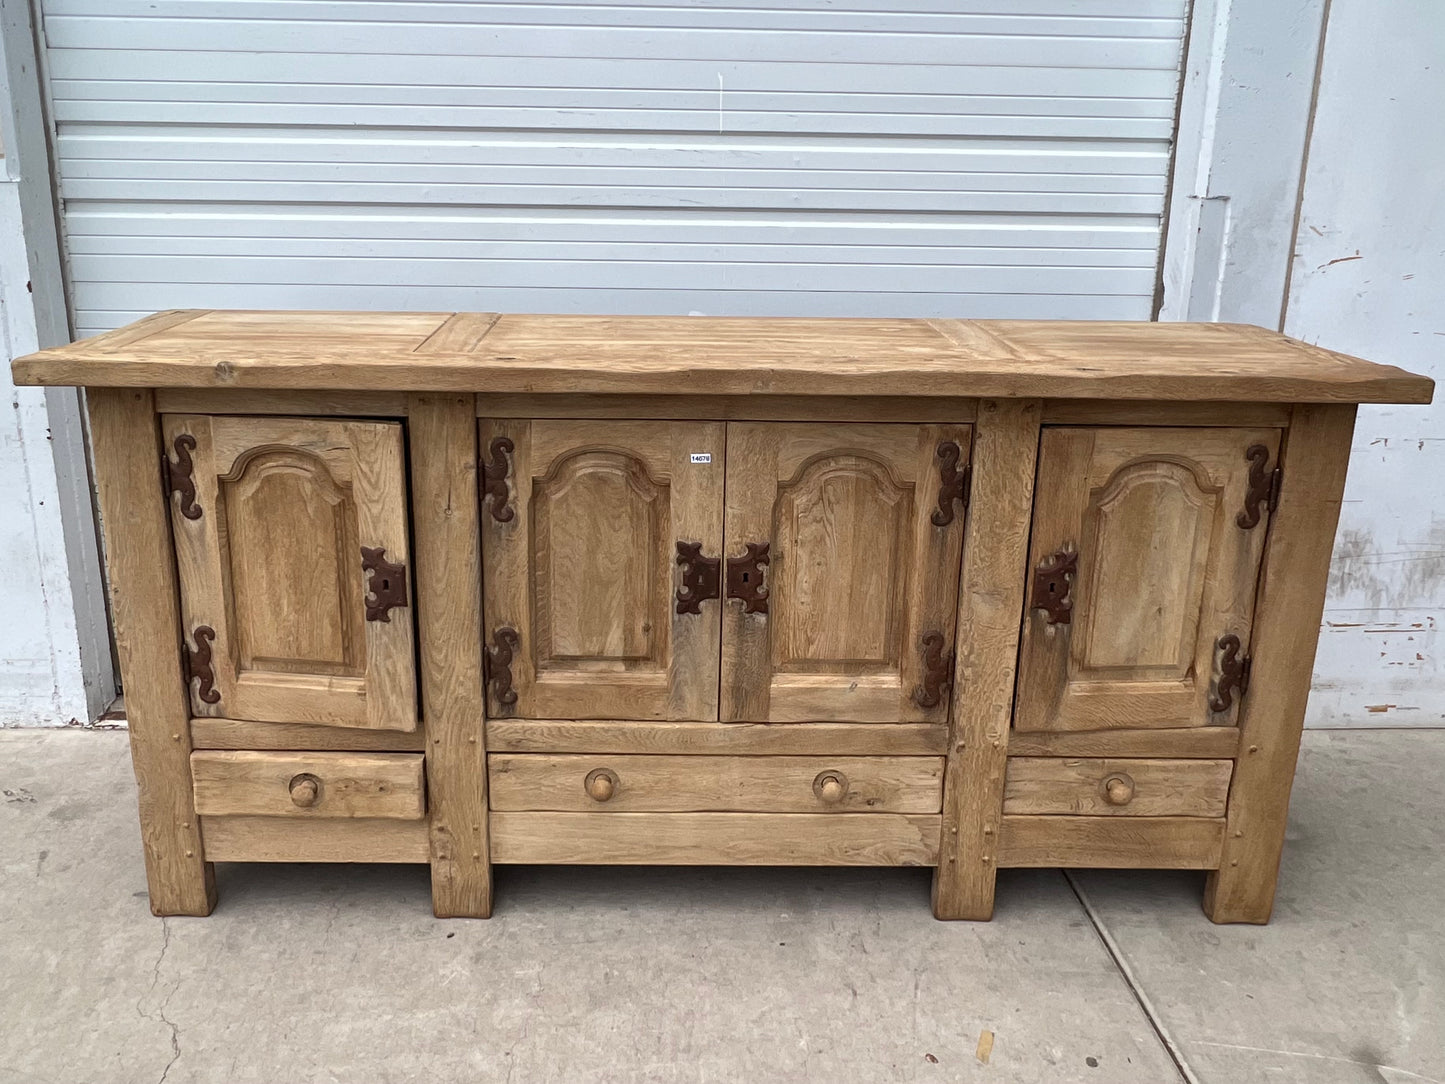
(1367,275)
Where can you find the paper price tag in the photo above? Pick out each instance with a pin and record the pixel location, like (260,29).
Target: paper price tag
(701,457)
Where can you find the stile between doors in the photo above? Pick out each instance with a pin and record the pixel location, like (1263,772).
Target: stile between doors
(605,553)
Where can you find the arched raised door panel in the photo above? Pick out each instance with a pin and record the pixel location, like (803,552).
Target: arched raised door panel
(581,522)
(859,573)
(1159,569)
(286,618)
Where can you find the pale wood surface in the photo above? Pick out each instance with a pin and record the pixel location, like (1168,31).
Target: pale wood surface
(1110,842)
(585,569)
(1127,412)
(739,739)
(1291,603)
(146,617)
(991,599)
(858,573)
(716,839)
(237,783)
(209,733)
(1163,572)
(760,408)
(1207,742)
(690,784)
(722,356)
(278,839)
(442,432)
(357,404)
(1156,788)
(273,564)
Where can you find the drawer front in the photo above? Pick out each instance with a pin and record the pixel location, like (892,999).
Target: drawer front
(387,786)
(696,784)
(1105,787)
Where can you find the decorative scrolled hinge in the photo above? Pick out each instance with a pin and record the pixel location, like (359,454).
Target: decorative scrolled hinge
(745,578)
(179,477)
(1233,673)
(701,578)
(386,583)
(494,478)
(1262,488)
(953,483)
(197,665)
(1054,587)
(937,671)
(497,664)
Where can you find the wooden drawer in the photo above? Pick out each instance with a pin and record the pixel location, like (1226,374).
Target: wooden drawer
(387,786)
(1096,786)
(696,784)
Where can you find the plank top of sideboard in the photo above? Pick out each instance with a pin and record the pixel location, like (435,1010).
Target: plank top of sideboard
(652,355)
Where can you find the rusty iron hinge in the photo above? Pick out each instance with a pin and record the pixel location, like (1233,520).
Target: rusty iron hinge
(1233,676)
(1262,487)
(494,479)
(179,477)
(196,665)
(953,484)
(701,578)
(937,671)
(497,665)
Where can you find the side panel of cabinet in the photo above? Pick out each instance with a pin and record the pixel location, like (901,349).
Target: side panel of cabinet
(1163,571)
(580,562)
(270,560)
(862,573)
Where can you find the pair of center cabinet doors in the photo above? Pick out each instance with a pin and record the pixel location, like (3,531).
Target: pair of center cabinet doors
(834,596)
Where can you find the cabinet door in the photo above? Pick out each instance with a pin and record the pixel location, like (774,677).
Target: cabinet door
(861,579)
(1163,570)
(285,613)
(582,524)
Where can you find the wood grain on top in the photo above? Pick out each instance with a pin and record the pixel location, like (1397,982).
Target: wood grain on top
(470,352)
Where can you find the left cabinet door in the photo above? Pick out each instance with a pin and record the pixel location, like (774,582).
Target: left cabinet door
(292,554)
(600,548)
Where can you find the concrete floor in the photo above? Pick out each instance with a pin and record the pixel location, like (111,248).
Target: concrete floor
(340,973)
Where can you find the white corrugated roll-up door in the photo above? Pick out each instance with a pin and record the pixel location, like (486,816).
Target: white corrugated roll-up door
(812,157)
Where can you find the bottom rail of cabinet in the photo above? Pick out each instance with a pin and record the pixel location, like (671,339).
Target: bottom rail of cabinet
(721,839)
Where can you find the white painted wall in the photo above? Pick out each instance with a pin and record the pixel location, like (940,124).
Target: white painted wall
(1369,279)
(55,659)
(41,673)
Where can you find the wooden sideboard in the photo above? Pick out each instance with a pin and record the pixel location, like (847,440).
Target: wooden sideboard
(465,589)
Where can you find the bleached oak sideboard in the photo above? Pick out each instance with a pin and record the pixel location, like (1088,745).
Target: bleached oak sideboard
(465,589)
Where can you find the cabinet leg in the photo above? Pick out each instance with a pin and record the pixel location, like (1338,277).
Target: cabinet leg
(1286,631)
(442,431)
(990,606)
(144,608)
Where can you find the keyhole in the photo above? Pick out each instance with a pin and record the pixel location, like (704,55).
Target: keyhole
(385,584)
(745,576)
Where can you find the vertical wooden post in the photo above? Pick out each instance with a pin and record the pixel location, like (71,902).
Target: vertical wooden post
(1286,631)
(443,439)
(124,433)
(990,609)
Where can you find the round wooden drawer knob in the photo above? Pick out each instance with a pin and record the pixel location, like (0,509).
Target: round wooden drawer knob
(601,784)
(831,787)
(305,790)
(1118,789)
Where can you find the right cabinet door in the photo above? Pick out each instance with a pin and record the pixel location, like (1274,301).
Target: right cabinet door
(842,549)
(1144,559)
